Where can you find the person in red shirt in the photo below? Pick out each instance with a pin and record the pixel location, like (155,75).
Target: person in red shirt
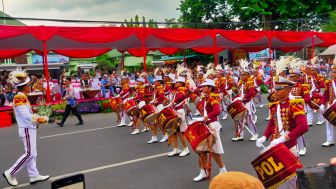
(288,121)
(139,98)
(211,113)
(179,103)
(158,102)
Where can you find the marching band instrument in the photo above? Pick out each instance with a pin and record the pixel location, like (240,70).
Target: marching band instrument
(116,104)
(168,119)
(131,108)
(199,137)
(237,110)
(330,114)
(275,166)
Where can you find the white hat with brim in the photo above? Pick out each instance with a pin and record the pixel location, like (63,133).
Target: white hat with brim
(283,82)
(208,82)
(179,79)
(141,79)
(171,76)
(23,83)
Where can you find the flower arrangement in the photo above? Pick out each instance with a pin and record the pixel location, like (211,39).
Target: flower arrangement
(105,105)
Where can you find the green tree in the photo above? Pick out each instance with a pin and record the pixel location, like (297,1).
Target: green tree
(172,23)
(330,25)
(136,20)
(104,62)
(144,22)
(257,14)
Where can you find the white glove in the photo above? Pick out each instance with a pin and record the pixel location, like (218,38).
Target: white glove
(260,141)
(322,108)
(278,141)
(198,118)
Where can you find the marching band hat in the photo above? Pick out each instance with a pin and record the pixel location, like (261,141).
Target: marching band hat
(282,83)
(208,82)
(171,76)
(179,79)
(295,71)
(18,77)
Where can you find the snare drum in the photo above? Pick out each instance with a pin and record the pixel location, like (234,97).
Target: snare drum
(237,110)
(330,114)
(276,166)
(131,108)
(315,101)
(168,120)
(198,135)
(116,104)
(146,110)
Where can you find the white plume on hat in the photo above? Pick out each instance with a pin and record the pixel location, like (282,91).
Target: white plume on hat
(219,68)
(244,64)
(210,66)
(209,72)
(281,64)
(297,63)
(314,60)
(200,69)
(18,77)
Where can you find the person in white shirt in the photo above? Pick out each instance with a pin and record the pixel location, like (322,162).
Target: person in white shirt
(27,123)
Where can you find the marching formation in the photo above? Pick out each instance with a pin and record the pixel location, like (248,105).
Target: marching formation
(296,99)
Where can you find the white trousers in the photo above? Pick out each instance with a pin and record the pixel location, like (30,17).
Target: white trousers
(330,131)
(28,159)
(310,116)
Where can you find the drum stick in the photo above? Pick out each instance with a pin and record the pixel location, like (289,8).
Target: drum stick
(249,130)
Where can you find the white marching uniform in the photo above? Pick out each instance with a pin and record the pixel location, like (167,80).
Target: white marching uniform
(217,147)
(27,133)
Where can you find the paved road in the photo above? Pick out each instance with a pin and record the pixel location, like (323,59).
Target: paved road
(111,158)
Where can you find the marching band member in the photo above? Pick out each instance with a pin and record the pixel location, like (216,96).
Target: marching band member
(316,84)
(246,93)
(27,123)
(211,113)
(328,100)
(124,94)
(299,91)
(158,102)
(139,97)
(288,122)
(178,104)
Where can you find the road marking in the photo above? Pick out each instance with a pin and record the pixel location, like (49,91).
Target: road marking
(75,132)
(97,169)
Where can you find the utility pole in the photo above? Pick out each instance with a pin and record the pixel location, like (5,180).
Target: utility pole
(3,12)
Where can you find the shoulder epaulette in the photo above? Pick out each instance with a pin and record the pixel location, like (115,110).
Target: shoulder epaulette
(20,99)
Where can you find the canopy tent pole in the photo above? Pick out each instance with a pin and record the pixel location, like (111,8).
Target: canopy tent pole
(215,49)
(312,48)
(144,54)
(122,60)
(184,58)
(46,72)
(232,57)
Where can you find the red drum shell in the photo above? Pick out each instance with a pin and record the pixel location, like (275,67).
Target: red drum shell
(168,119)
(197,134)
(147,110)
(276,166)
(330,114)
(237,110)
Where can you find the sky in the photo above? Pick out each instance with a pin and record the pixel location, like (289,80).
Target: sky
(109,10)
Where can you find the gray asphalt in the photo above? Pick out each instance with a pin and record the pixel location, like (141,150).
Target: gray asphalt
(75,152)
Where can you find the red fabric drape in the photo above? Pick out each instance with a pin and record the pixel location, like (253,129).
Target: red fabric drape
(290,36)
(12,53)
(96,34)
(168,51)
(180,35)
(137,52)
(12,31)
(82,53)
(242,36)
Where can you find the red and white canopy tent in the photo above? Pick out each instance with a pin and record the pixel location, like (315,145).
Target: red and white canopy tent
(85,42)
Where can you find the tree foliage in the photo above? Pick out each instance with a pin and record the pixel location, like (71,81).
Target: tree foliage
(136,23)
(330,25)
(104,62)
(257,14)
